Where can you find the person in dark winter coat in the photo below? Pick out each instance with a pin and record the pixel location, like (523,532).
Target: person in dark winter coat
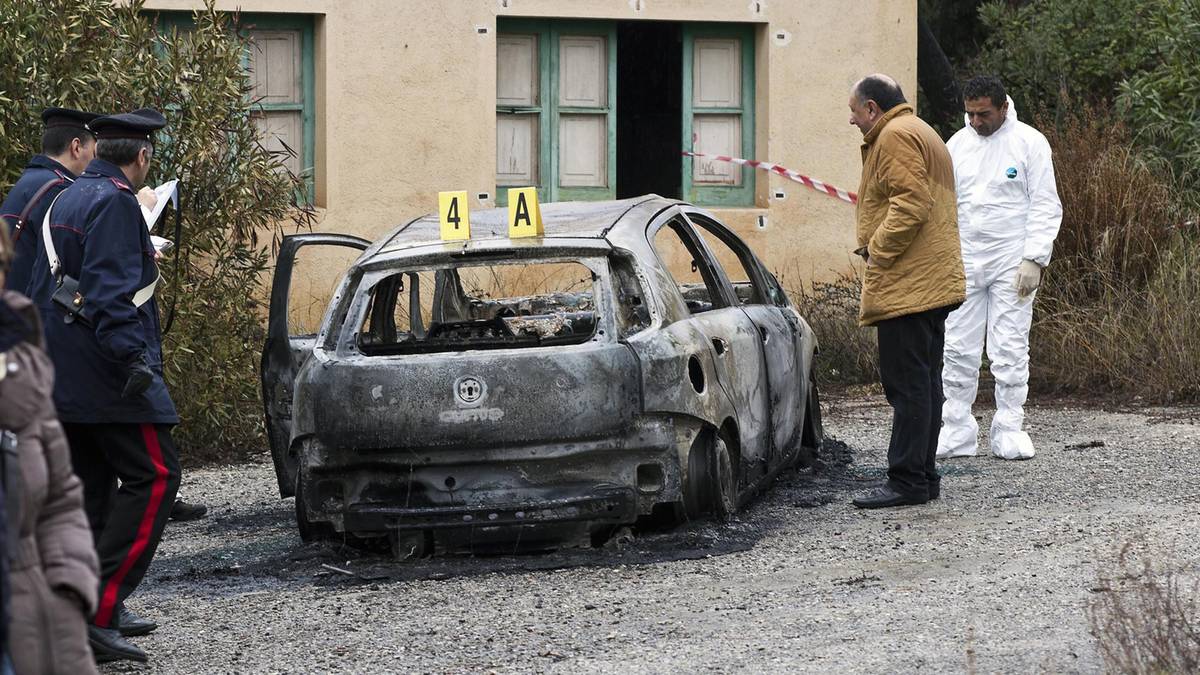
(67,147)
(54,571)
(94,285)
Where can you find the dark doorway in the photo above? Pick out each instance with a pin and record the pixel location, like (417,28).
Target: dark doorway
(649,108)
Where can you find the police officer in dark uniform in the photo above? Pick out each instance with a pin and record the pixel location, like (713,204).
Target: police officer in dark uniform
(106,346)
(67,147)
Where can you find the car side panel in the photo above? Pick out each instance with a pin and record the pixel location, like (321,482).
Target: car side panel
(663,357)
(777,338)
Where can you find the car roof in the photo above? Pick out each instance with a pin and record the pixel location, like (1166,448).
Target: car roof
(560,219)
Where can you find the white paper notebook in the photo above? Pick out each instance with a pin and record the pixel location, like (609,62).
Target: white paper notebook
(167,192)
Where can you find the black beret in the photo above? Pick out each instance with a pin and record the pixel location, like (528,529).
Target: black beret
(67,117)
(140,124)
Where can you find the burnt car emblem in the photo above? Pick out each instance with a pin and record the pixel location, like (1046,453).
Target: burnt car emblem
(469,390)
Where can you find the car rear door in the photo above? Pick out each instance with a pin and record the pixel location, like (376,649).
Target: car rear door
(778,330)
(732,337)
(285,350)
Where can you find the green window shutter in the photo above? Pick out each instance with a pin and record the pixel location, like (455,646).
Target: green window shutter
(718,113)
(282,77)
(556,128)
(168,21)
(523,144)
(584,110)
(283,80)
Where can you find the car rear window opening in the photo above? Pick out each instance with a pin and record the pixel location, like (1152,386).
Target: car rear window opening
(480,306)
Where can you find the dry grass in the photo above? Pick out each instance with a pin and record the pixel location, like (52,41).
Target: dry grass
(1112,337)
(1118,312)
(849,353)
(1118,208)
(1145,617)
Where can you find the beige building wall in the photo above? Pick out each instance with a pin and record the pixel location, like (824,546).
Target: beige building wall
(405,97)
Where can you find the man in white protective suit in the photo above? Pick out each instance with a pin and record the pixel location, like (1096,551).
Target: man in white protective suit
(1008,217)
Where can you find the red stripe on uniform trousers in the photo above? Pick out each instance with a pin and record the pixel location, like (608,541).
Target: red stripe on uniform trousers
(108,596)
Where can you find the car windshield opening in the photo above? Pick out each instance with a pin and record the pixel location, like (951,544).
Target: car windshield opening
(478,305)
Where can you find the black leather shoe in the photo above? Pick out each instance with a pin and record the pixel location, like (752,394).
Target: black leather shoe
(935,490)
(131,624)
(885,496)
(185,511)
(108,645)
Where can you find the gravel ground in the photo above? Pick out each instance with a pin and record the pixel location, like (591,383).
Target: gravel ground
(995,577)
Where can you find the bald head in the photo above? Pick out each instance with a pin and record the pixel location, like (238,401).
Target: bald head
(870,98)
(879,88)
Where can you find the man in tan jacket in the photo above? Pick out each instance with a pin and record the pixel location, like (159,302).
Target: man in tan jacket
(908,235)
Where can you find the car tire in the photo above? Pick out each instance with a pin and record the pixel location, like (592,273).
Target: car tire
(410,544)
(723,481)
(814,429)
(697,481)
(309,531)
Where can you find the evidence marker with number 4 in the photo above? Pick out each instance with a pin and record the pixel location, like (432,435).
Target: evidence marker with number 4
(454,215)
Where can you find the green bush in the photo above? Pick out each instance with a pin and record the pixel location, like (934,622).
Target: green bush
(1086,47)
(91,54)
(849,353)
(1161,102)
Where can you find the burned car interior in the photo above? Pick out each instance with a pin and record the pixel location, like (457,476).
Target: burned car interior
(482,306)
(675,244)
(633,312)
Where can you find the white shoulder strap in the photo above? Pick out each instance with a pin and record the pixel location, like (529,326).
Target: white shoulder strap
(143,295)
(140,298)
(48,243)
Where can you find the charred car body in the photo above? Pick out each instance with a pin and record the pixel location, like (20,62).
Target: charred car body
(496,389)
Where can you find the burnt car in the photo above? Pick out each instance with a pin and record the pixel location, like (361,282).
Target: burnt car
(636,362)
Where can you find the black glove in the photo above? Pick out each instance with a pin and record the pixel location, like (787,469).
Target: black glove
(140,377)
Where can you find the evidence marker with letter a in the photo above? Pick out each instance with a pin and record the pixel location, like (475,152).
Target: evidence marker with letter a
(524,214)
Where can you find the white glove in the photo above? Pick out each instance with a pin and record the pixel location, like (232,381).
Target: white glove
(1029,275)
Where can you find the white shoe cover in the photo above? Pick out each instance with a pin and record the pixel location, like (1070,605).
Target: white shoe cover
(959,440)
(1012,445)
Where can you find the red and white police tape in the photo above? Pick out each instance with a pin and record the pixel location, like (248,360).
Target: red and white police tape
(813,183)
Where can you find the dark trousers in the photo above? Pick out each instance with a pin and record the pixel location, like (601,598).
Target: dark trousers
(127,521)
(910,368)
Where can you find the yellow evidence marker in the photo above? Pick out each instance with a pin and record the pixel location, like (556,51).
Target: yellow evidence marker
(524,214)
(454,214)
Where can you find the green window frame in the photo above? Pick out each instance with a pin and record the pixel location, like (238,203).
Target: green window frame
(303,25)
(549,33)
(306,106)
(550,112)
(719,195)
